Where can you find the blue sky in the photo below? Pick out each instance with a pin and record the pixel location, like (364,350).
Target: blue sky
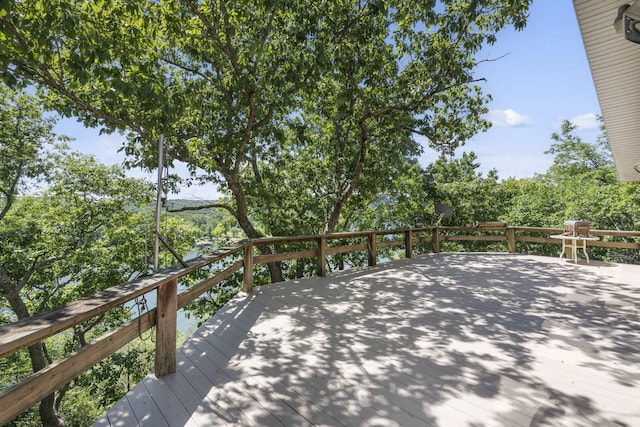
(541,78)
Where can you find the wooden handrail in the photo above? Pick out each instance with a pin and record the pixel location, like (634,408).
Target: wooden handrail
(29,331)
(25,332)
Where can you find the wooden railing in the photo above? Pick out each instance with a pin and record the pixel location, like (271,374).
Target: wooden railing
(26,332)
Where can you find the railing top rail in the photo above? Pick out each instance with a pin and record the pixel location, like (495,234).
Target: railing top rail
(33,329)
(490,226)
(479,229)
(617,233)
(331,236)
(595,232)
(537,229)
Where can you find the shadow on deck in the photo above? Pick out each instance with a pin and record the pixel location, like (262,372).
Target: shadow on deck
(451,339)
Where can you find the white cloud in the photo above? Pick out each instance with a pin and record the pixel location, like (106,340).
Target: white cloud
(583,122)
(587,121)
(508,118)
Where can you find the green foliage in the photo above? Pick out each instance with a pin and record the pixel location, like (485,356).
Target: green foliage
(584,176)
(79,407)
(302,112)
(579,160)
(204,307)
(217,226)
(472,196)
(109,379)
(67,227)
(24,136)
(580,184)
(300,181)
(81,233)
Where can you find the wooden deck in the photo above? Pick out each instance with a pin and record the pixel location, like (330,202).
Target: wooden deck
(451,339)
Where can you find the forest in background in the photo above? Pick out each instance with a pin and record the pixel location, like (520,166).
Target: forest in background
(303,114)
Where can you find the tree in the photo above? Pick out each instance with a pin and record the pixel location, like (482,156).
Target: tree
(69,239)
(50,240)
(473,196)
(586,177)
(223,80)
(24,134)
(575,158)
(580,184)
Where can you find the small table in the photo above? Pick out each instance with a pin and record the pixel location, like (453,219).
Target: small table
(574,243)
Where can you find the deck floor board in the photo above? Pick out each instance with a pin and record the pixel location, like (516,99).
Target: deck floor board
(454,339)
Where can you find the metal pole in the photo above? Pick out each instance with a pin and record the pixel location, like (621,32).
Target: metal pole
(156,248)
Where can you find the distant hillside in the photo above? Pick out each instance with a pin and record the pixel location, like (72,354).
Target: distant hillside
(178,204)
(181,203)
(213,223)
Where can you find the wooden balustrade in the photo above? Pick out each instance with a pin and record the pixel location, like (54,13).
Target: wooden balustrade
(29,331)
(35,329)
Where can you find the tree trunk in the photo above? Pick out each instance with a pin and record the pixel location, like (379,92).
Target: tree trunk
(275,268)
(48,415)
(242,217)
(344,192)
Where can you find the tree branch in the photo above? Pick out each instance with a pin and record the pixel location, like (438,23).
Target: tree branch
(43,76)
(37,265)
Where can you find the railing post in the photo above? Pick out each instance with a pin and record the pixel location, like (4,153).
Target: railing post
(166,323)
(248,267)
(511,240)
(435,239)
(322,256)
(408,244)
(373,249)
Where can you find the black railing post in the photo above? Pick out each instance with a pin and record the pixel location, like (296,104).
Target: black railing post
(408,244)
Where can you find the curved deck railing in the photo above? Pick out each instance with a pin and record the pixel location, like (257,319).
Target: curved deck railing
(26,332)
